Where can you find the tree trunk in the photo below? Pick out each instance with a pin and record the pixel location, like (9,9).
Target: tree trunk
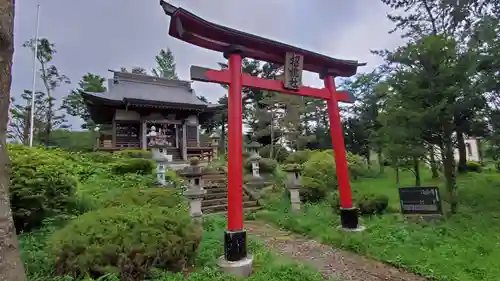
(416,170)
(11,267)
(434,168)
(26,128)
(271,148)
(222,141)
(380,161)
(449,173)
(462,152)
(397,176)
(479,150)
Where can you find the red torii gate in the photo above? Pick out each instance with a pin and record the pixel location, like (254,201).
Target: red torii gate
(234,45)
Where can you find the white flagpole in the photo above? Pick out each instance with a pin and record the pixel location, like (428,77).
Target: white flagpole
(33,88)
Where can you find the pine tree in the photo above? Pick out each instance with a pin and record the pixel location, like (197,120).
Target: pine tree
(165,65)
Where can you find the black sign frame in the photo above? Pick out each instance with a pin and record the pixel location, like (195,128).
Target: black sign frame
(420,198)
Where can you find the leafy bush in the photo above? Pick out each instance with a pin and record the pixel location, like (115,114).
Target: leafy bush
(318,177)
(94,192)
(474,166)
(370,204)
(299,157)
(159,197)
(128,241)
(102,157)
(279,152)
(134,153)
(41,186)
(133,165)
(266,165)
(357,167)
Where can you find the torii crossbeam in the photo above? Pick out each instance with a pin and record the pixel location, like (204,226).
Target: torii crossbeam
(224,77)
(235,45)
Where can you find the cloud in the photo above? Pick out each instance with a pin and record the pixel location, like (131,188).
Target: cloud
(95,35)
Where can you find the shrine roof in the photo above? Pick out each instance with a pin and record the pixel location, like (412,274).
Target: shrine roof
(148,91)
(190,28)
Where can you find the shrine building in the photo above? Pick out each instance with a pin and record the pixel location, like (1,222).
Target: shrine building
(146,111)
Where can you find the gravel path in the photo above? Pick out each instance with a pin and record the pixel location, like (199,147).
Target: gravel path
(330,262)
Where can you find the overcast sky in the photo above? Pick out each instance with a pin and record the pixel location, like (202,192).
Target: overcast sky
(97,35)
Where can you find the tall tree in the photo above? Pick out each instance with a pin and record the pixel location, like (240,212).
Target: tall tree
(165,65)
(20,117)
(11,266)
(218,124)
(51,78)
(74,104)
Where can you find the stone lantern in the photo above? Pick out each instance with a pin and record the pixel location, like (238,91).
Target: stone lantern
(215,144)
(253,147)
(254,160)
(293,184)
(160,157)
(256,181)
(194,192)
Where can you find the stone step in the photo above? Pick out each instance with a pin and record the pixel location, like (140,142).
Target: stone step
(245,210)
(217,177)
(211,185)
(214,202)
(211,190)
(211,201)
(213,179)
(223,207)
(216,195)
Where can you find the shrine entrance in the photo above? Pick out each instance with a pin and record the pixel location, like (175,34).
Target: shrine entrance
(235,45)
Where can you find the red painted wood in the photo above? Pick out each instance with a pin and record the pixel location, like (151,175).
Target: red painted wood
(223,77)
(337,136)
(235,147)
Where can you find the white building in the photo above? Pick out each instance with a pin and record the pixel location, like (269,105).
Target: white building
(472,150)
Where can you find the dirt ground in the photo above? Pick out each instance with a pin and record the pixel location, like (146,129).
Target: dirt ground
(331,262)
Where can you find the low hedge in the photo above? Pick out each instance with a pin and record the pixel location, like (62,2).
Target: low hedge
(133,165)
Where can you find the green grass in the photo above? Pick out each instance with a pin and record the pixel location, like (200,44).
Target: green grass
(463,247)
(40,266)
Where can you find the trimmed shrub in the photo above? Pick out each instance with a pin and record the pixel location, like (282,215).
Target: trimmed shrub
(357,166)
(159,197)
(299,157)
(474,166)
(318,177)
(133,165)
(127,241)
(319,174)
(41,186)
(134,153)
(370,204)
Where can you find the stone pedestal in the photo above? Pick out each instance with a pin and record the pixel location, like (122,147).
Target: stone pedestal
(194,192)
(242,268)
(195,197)
(236,259)
(293,184)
